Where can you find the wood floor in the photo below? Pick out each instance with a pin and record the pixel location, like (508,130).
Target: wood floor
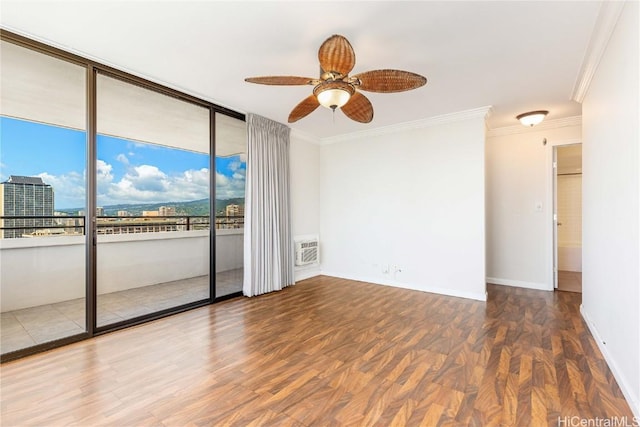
(570,281)
(329,352)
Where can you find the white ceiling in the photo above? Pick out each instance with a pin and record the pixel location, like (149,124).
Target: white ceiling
(513,56)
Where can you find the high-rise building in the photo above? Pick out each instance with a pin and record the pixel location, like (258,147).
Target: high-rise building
(234,210)
(28,197)
(167,211)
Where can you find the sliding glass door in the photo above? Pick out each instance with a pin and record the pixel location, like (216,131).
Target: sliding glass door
(108,199)
(153,201)
(42,198)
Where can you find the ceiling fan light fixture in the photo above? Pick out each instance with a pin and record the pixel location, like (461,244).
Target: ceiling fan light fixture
(333,94)
(532,118)
(336,89)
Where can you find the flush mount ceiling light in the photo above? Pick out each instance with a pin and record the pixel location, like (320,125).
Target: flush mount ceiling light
(335,89)
(333,94)
(532,118)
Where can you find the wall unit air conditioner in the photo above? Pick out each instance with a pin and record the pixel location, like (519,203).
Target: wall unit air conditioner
(307,252)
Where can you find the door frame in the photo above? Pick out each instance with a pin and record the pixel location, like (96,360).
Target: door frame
(92,69)
(551,217)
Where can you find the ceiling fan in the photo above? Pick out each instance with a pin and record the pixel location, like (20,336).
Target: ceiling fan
(336,89)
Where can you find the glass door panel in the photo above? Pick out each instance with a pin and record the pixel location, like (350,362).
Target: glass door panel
(231,168)
(42,198)
(153,214)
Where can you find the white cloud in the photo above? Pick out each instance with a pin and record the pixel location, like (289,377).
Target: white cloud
(234,166)
(104,173)
(122,159)
(143,184)
(69,189)
(227,188)
(149,184)
(191,185)
(221,180)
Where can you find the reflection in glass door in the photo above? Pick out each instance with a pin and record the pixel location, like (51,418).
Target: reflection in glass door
(42,198)
(153,204)
(231,168)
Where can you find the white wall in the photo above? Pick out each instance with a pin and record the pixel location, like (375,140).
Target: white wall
(41,271)
(305,193)
(519,202)
(569,208)
(409,198)
(229,249)
(52,269)
(611,198)
(132,261)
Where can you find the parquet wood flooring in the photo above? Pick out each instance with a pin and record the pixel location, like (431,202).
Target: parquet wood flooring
(329,352)
(570,281)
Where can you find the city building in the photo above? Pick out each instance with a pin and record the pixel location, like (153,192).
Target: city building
(234,210)
(29,197)
(149,224)
(167,211)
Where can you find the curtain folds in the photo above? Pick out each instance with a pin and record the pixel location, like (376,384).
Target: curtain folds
(268,242)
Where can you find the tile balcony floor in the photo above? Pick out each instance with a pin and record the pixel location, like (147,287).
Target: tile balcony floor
(35,325)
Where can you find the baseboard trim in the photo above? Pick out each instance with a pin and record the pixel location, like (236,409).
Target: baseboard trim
(633,401)
(519,284)
(478,296)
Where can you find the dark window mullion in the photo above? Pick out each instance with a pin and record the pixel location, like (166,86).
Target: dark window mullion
(90,209)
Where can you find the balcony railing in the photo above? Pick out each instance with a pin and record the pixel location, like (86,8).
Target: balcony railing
(70,225)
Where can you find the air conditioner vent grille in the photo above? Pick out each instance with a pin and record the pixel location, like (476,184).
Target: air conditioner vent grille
(307,252)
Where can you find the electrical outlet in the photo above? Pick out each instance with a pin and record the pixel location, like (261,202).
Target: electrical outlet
(385,269)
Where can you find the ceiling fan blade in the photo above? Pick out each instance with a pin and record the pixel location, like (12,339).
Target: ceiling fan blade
(387,81)
(281,80)
(358,108)
(336,54)
(303,109)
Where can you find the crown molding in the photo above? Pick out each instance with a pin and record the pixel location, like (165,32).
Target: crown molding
(481,112)
(602,31)
(304,136)
(545,125)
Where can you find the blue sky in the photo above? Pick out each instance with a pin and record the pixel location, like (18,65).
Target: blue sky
(128,172)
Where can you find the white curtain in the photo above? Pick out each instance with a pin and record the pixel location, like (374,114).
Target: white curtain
(268,243)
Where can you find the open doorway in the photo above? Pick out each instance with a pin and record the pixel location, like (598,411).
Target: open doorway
(568,215)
